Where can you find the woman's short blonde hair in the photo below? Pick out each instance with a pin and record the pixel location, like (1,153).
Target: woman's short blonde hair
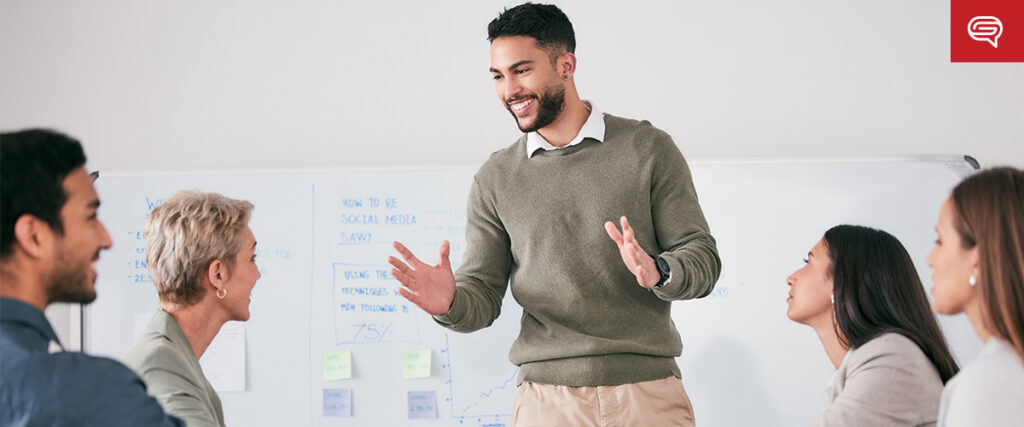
(185,234)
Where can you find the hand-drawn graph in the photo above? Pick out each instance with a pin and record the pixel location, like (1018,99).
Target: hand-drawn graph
(470,401)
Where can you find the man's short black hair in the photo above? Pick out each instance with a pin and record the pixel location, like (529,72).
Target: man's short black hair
(546,23)
(33,165)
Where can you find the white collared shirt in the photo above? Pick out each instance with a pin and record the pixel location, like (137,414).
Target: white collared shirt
(592,128)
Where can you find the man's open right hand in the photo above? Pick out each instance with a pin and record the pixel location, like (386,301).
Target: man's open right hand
(432,288)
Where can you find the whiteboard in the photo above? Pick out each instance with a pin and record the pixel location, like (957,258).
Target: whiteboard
(324,237)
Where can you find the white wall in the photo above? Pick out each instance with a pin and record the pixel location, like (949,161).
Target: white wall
(261,83)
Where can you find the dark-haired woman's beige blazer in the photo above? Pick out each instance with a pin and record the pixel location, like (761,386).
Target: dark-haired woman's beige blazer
(888,381)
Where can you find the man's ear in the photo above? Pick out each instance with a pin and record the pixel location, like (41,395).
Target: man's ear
(567,64)
(33,235)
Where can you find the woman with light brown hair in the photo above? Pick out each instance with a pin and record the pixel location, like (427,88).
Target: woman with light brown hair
(201,256)
(978,264)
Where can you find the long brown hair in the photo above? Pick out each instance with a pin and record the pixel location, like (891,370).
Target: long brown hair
(989,211)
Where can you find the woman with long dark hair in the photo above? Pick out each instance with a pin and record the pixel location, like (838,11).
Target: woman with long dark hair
(861,294)
(978,269)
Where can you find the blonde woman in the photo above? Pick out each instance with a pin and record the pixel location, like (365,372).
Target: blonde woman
(201,257)
(978,269)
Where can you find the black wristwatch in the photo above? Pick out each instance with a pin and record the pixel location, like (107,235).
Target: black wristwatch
(664,270)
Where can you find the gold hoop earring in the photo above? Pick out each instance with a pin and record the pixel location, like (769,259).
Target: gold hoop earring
(220,295)
(972,280)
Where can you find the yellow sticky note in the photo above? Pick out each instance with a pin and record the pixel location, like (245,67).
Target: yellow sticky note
(337,365)
(416,364)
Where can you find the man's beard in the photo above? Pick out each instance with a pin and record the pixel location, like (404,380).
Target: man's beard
(70,281)
(550,105)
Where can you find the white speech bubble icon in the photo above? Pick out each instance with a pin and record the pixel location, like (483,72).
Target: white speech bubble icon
(985,29)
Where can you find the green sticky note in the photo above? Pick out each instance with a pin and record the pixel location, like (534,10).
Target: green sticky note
(337,365)
(416,364)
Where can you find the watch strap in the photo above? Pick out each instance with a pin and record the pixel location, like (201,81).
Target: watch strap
(664,270)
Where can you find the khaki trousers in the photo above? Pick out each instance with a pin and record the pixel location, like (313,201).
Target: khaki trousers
(652,403)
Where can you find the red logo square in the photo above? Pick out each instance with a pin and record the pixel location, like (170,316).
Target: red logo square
(986,31)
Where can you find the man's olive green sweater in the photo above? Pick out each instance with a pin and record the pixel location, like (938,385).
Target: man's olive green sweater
(537,224)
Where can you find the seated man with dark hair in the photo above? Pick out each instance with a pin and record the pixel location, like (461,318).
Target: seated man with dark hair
(51,239)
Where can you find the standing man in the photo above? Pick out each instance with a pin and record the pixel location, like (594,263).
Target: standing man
(597,345)
(51,240)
